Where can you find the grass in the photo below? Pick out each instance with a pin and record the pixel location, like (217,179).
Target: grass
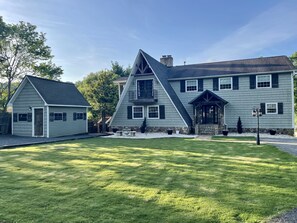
(159,180)
(234,138)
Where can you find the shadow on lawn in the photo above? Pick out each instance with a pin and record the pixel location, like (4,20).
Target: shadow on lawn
(150,180)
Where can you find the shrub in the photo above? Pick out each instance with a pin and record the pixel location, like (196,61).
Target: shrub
(143,126)
(239,126)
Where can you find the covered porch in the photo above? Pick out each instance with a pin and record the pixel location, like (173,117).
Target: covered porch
(208,113)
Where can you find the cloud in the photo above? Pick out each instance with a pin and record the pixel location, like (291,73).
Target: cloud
(276,25)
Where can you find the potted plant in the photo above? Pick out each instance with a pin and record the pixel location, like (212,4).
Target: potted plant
(169,131)
(225,131)
(239,126)
(143,126)
(272,132)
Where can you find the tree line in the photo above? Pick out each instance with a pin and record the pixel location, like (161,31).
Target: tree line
(23,50)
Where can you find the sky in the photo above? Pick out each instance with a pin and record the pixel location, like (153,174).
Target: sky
(86,35)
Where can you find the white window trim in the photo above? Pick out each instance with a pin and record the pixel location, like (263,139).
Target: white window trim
(186,85)
(58,113)
(276,110)
(133,112)
(269,81)
(158,111)
(225,89)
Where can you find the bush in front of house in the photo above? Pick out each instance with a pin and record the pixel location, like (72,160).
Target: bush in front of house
(239,125)
(143,126)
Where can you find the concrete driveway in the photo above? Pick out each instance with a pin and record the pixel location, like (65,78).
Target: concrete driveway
(9,141)
(288,145)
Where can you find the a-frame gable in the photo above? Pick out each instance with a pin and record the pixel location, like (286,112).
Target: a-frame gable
(146,65)
(21,87)
(160,72)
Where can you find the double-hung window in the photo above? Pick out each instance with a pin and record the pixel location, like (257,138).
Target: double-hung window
(191,85)
(153,112)
(263,81)
(137,112)
(58,116)
(225,83)
(271,108)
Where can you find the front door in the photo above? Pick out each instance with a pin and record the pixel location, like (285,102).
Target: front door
(38,122)
(210,114)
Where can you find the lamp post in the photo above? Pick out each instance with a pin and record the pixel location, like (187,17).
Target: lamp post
(257,113)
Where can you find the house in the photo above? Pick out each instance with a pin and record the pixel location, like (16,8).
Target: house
(48,108)
(206,97)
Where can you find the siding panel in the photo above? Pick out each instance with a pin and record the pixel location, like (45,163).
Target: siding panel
(242,101)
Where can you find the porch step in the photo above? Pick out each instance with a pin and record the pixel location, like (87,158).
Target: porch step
(208,129)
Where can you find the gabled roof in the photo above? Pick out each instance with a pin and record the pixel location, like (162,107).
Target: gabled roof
(160,71)
(207,97)
(55,92)
(255,65)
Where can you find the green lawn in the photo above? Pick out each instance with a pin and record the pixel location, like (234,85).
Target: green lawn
(159,180)
(234,138)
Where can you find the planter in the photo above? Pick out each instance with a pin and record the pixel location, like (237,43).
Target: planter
(169,131)
(177,132)
(272,132)
(225,132)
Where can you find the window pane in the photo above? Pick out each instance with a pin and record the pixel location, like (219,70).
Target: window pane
(153,112)
(225,83)
(137,112)
(79,115)
(263,81)
(191,85)
(58,116)
(23,117)
(271,108)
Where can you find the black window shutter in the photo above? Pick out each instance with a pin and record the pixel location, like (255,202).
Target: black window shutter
(74,116)
(215,84)
(52,116)
(15,117)
(200,84)
(129,112)
(280,108)
(262,106)
(182,86)
(64,116)
(85,116)
(274,78)
(162,111)
(29,119)
(252,81)
(235,82)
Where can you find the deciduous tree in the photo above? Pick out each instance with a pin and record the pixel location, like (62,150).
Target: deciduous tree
(23,51)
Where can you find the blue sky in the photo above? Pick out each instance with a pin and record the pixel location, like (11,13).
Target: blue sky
(86,35)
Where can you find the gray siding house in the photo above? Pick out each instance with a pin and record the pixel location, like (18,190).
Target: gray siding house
(205,98)
(47,108)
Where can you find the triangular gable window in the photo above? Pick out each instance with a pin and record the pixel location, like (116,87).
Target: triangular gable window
(143,67)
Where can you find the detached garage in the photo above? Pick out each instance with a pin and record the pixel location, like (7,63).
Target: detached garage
(47,108)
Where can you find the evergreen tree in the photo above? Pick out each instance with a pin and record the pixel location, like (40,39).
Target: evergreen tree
(239,126)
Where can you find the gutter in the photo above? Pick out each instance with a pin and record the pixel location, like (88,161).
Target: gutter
(230,75)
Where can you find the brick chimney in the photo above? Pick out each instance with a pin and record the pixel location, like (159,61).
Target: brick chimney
(167,60)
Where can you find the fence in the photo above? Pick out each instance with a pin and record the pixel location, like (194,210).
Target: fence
(5,123)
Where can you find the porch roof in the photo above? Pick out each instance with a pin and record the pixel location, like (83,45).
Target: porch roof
(208,97)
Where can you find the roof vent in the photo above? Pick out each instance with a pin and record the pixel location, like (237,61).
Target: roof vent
(167,60)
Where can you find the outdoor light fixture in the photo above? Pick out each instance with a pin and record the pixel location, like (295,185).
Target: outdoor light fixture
(257,113)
